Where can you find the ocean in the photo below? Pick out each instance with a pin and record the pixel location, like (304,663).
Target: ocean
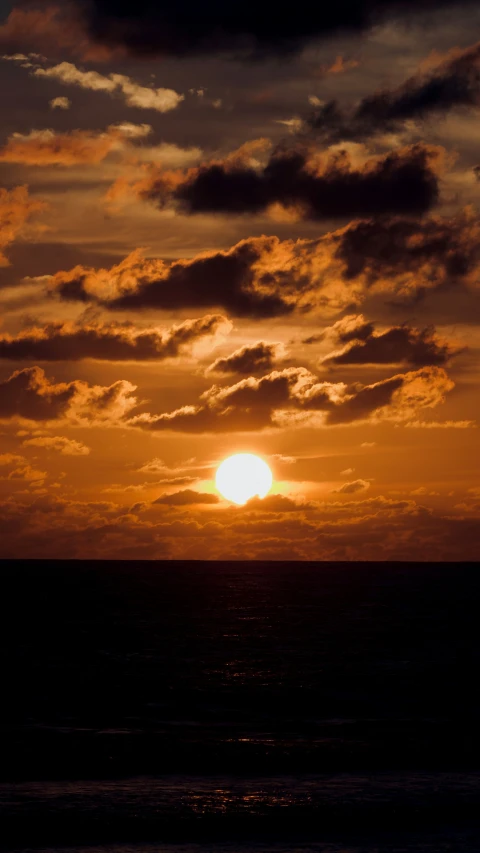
(174,707)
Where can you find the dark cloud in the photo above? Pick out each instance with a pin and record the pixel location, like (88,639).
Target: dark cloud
(187,497)
(112,342)
(250,30)
(409,255)
(227,279)
(314,339)
(248,360)
(366,400)
(397,345)
(276,504)
(281,397)
(50,528)
(30,394)
(263,277)
(353,327)
(404,181)
(360,330)
(53,29)
(448,84)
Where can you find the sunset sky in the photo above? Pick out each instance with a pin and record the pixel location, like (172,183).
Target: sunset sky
(223,231)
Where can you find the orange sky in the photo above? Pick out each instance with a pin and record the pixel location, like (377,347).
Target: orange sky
(239,239)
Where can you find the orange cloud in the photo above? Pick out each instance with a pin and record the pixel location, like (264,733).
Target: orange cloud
(249,360)
(267,277)
(46,147)
(353,487)
(112,341)
(16,208)
(294,394)
(60,444)
(28,394)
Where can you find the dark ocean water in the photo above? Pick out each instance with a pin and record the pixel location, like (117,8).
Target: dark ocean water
(181,707)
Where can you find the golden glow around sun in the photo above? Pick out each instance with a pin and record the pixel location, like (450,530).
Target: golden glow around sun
(242,477)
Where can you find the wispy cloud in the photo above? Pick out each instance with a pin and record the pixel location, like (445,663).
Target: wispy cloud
(135,95)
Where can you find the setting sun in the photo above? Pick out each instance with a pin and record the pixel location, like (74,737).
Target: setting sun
(242,477)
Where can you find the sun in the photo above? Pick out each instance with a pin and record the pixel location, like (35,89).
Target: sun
(242,477)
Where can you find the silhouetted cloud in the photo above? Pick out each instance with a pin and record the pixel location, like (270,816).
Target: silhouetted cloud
(249,31)
(353,328)
(397,345)
(276,504)
(233,280)
(111,342)
(187,497)
(448,84)
(248,360)
(264,277)
(407,256)
(43,27)
(280,397)
(403,181)
(31,395)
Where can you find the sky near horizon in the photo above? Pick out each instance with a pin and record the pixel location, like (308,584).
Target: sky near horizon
(223,231)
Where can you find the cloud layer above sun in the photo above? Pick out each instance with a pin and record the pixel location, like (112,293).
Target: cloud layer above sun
(226,231)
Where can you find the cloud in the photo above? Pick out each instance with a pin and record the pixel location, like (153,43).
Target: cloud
(443,85)
(231,280)
(110,342)
(409,257)
(30,395)
(16,209)
(403,181)
(341,65)
(442,425)
(180,475)
(248,360)
(248,31)
(134,95)
(369,529)
(51,30)
(10,459)
(282,397)
(187,497)
(60,103)
(397,345)
(28,474)
(60,444)
(352,327)
(20,469)
(155,466)
(276,504)
(46,147)
(353,488)
(264,277)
